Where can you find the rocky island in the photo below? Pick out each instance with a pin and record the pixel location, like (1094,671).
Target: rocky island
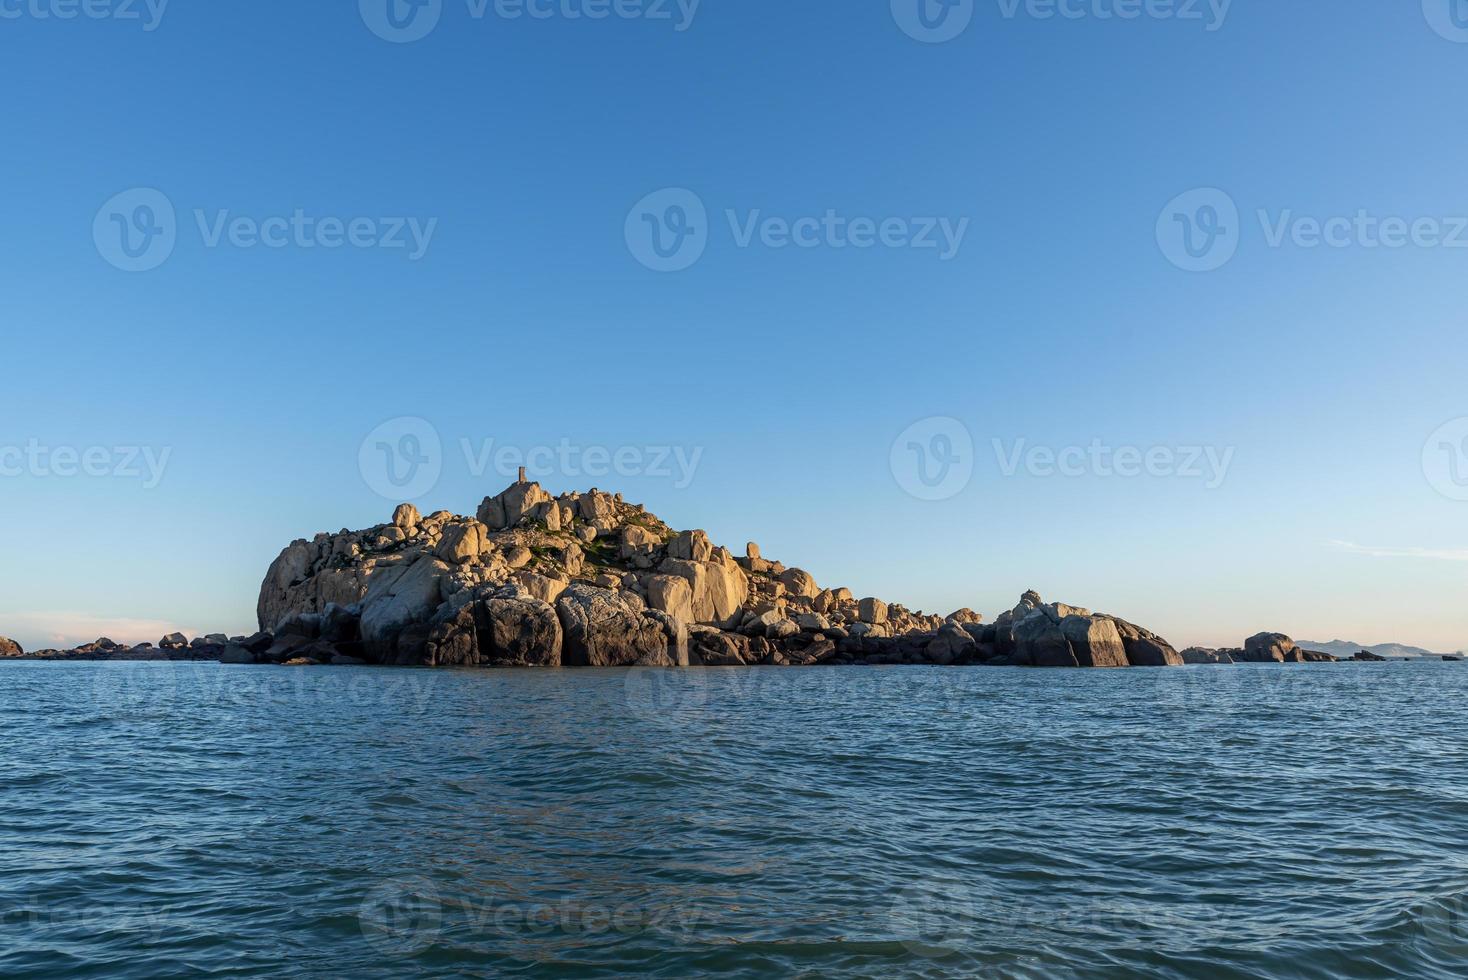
(589,580)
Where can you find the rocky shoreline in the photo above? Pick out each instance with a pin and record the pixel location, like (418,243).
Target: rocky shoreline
(589,580)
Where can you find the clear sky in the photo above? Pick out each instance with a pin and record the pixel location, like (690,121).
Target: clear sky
(1069,159)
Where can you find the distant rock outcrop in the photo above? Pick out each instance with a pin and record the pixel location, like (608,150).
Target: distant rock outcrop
(1268,647)
(1204,655)
(9,648)
(588,579)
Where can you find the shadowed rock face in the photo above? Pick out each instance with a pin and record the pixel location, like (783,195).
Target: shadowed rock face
(587,579)
(509,632)
(1203,655)
(1267,647)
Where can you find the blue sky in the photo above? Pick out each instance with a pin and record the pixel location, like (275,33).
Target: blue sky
(524,151)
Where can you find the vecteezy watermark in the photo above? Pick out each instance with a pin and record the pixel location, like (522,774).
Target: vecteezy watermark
(147,13)
(1201,230)
(933,459)
(1445,459)
(143,463)
(1210,13)
(671,698)
(405,916)
(402,458)
(572,461)
(138,230)
(669,230)
(1209,464)
(933,918)
(1444,923)
(1448,17)
(405,21)
(401,916)
(937,21)
(933,21)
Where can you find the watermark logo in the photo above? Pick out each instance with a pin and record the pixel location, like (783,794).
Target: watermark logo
(1100,460)
(933,459)
(1212,13)
(933,918)
(406,21)
(1445,459)
(401,21)
(401,916)
(678,464)
(135,687)
(668,697)
(1448,17)
(146,464)
(668,230)
(401,459)
(933,21)
(136,231)
(1199,231)
(149,13)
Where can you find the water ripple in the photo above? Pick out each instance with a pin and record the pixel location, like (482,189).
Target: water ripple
(165,820)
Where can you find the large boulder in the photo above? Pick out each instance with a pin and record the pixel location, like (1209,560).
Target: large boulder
(233,654)
(799,582)
(671,594)
(873,611)
(719,588)
(1095,641)
(521,500)
(596,507)
(1205,655)
(398,597)
(1055,636)
(952,643)
(1145,648)
(1039,642)
(1263,648)
(637,540)
(541,587)
(497,632)
(406,517)
(491,513)
(691,546)
(9,648)
(309,576)
(603,629)
(463,543)
(712,647)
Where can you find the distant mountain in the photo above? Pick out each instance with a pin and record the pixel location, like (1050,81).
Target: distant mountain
(1344,649)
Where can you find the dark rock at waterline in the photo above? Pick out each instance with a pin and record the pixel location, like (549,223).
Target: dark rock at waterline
(1204,655)
(1268,647)
(1366,656)
(497,632)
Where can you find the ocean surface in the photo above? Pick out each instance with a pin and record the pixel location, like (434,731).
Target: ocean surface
(185,820)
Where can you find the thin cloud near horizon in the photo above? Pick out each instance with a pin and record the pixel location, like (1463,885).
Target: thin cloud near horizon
(1431,554)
